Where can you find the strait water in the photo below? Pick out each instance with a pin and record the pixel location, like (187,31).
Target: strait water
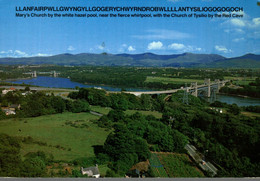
(58,82)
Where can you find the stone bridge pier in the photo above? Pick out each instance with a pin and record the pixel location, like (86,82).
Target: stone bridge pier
(218,85)
(194,86)
(207,82)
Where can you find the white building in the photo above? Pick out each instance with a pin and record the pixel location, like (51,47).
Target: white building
(91,171)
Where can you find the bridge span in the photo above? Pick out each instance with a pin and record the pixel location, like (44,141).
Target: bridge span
(35,73)
(192,89)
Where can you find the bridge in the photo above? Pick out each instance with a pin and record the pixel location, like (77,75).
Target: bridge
(193,89)
(34,73)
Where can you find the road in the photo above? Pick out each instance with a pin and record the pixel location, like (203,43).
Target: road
(207,166)
(96,113)
(40,88)
(173,90)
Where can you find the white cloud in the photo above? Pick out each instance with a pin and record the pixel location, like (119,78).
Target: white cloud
(238,22)
(254,35)
(71,48)
(124,48)
(41,55)
(13,53)
(176,46)
(246,21)
(19,53)
(162,34)
(131,49)
(223,49)
(183,48)
(236,30)
(101,47)
(155,45)
(227,31)
(256,21)
(238,39)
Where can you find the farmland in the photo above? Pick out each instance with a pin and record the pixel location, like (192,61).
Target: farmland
(178,165)
(157,167)
(173,165)
(105,111)
(240,80)
(167,80)
(156,114)
(66,136)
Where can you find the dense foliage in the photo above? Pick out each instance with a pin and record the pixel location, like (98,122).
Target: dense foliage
(38,103)
(127,144)
(251,90)
(12,164)
(231,140)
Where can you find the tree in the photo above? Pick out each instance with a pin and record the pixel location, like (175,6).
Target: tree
(125,149)
(33,167)
(58,104)
(10,158)
(27,89)
(234,109)
(142,149)
(80,106)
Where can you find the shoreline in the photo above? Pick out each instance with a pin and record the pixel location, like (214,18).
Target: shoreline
(15,79)
(237,95)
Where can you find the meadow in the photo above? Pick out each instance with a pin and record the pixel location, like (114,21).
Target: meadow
(156,166)
(166,80)
(105,111)
(178,165)
(66,136)
(240,80)
(156,114)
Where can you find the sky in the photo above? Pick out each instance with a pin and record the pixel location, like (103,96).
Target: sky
(229,37)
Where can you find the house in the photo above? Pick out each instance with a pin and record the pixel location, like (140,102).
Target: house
(91,171)
(8,111)
(7,90)
(13,107)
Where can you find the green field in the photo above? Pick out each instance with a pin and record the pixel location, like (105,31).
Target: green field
(251,114)
(105,111)
(241,80)
(99,109)
(156,114)
(156,166)
(65,141)
(167,80)
(178,165)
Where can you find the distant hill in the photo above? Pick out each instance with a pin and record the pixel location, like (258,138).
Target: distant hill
(145,59)
(245,61)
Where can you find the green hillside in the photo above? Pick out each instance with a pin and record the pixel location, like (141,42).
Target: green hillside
(67,136)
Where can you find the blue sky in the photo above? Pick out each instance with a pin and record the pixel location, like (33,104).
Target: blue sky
(230,37)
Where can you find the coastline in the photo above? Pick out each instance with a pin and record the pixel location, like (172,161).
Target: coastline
(15,79)
(237,95)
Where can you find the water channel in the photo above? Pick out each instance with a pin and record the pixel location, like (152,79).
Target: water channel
(58,82)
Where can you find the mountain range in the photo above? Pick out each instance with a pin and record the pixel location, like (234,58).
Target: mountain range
(144,59)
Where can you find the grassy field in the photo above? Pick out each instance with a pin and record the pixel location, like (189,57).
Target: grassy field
(166,80)
(157,167)
(99,109)
(146,113)
(178,165)
(251,114)
(241,80)
(105,110)
(65,141)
